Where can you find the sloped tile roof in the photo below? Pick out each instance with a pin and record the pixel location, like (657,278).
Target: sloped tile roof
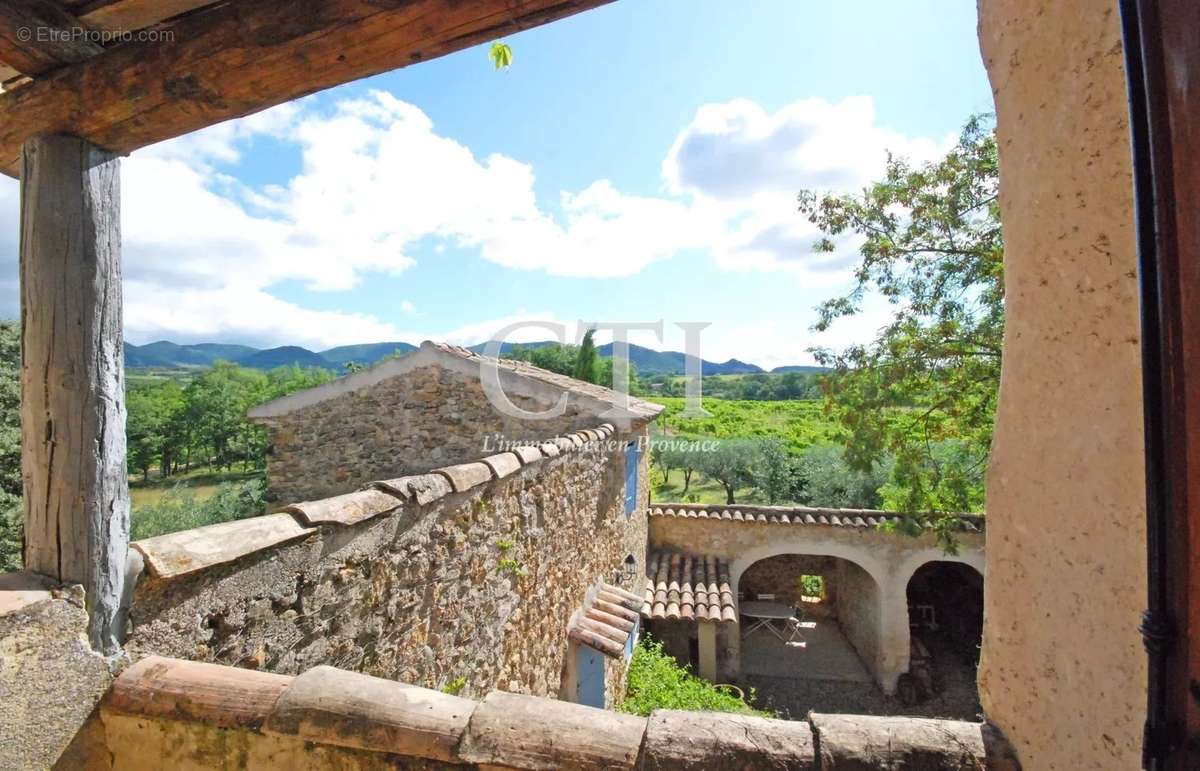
(799,515)
(688,587)
(608,616)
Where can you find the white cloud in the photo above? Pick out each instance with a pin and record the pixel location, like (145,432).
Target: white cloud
(736,151)
(242,314)
(606,233)
(752,163)
(204,252)
(377,166)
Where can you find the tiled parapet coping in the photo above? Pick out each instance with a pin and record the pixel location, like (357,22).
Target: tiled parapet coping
(176,554)
(328,711)
(802,515)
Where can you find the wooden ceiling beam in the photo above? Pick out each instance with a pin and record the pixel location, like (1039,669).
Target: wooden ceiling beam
(37,36)
(128,15)
(237,58)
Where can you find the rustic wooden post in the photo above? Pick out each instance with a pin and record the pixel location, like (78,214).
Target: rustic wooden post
(72,373)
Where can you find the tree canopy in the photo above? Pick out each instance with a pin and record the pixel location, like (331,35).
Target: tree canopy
(924,390)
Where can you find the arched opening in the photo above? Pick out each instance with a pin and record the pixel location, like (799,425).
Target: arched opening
(824,659)
(945,605)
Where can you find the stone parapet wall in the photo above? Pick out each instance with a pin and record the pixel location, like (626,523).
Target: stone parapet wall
(178,714)
(462,578)
(50,678)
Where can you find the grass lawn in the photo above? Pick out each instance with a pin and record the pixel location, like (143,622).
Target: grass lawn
(701,489)
(201,497)
(201,483)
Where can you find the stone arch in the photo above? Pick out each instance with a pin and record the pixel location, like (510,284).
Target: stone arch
(860,555)
(864,610)
(898,628)
(945,601)
(918,558)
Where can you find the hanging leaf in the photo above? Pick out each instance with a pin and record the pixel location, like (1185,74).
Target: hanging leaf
(501,55)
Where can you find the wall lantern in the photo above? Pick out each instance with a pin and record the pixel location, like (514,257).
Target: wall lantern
(629,569)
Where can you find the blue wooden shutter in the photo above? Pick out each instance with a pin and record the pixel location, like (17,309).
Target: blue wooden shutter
(589,677)
(631,641)
(632,458)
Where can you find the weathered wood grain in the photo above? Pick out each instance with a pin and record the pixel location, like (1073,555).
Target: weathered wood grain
(121,15)
(37,36)
(238,58)
(76,494)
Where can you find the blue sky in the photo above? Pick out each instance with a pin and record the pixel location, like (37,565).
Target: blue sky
(638,162)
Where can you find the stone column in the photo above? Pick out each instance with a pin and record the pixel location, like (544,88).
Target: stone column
(892,650)
(708,650)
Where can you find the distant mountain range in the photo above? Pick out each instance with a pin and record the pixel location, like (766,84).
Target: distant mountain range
(165,354)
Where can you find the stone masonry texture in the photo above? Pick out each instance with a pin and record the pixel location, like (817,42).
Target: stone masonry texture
(475,588)
(411,423)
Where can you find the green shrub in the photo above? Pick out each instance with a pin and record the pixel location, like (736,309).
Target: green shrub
(657,681)
(179,509)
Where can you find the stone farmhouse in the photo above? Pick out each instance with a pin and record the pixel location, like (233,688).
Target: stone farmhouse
(409,545)
(324,634)
(427,409)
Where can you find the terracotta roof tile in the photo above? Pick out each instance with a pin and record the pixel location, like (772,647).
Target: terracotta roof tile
(608,616)
(688,587)
(800,515)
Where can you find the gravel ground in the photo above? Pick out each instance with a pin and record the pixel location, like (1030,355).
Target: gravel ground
(794,698)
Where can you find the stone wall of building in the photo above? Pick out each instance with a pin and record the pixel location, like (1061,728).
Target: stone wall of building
(1063,671)
(470,591)
(429,417)
(860,612)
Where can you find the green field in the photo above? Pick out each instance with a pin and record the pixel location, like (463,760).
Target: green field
(799,423)
(201,483)
(701,490)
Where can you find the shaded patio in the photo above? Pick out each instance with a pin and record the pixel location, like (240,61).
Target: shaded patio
(826,654)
